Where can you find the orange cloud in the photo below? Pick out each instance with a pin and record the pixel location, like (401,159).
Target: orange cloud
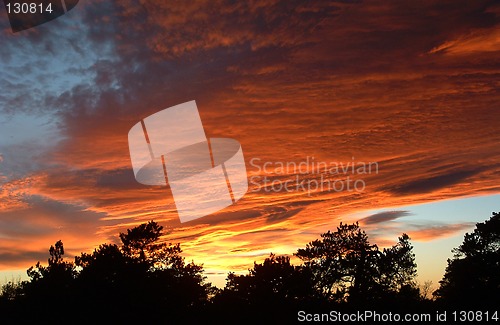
(479,41)
(327,80)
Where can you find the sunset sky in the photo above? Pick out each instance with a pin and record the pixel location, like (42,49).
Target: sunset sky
(413,86)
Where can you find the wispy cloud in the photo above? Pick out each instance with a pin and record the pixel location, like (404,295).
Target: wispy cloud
(384,217)
(431,232)
(413,87)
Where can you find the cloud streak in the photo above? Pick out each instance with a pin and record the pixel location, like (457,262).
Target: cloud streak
(384,217)
(411,86)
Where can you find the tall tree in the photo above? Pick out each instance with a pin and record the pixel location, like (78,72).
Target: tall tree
(397,265)
(144,272)
(472,277)
(58,274)
(143,244)
(343,263)
(346,267)
(49,293)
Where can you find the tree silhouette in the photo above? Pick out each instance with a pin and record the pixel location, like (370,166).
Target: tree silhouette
(50,289)
(398,269)
(144,279)
(58,269)
(140,242)
(143,272)
(11,290)
(274,287)
(275,279)
(106,275)
(346,268)
(343,263)
(472,277)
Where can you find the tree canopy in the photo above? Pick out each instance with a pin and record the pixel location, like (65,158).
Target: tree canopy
(140,274)
(472,277)
(144,279)
(347,268)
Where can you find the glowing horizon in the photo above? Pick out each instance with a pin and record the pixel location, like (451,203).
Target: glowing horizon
(328,83)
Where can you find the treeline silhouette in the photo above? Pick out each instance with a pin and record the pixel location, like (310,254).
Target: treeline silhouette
(144,280)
